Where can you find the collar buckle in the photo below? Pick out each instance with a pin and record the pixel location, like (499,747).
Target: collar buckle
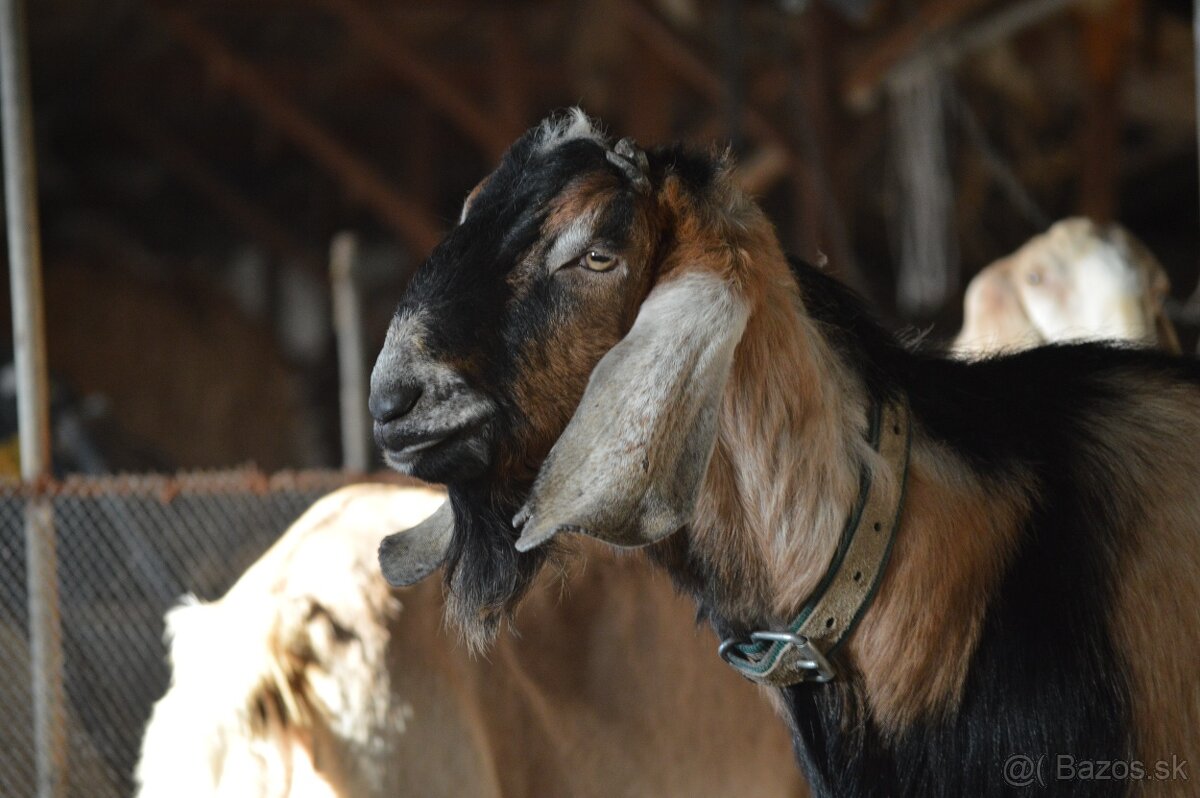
(781,659)
(811,662)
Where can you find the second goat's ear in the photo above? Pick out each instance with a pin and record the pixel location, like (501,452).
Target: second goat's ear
(628,468)
(409,556)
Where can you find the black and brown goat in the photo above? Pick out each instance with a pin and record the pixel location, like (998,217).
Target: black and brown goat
(612,343)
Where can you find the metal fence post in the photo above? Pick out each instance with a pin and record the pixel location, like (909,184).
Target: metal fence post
(352,367)
(29,345)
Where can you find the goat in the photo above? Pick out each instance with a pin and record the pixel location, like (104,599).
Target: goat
(311,678)
(1078,280)
(938,565)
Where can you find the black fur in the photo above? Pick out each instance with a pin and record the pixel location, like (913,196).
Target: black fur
(485,573)
(1047,679)
(480,323)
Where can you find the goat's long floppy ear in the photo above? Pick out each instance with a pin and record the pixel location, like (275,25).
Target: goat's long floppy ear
(409,556)
(629,466)
(994,316)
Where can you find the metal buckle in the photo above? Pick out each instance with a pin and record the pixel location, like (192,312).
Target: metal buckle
(813,661)
(726,650)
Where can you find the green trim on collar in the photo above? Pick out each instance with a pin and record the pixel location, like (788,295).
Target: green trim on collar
(852,579)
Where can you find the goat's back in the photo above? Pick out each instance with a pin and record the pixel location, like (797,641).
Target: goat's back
(329,683)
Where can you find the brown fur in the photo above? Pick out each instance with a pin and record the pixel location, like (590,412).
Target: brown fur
(782,483)
(914,646)
(556,367)
(780,420)
(783,478)
(1157,607)
(466,208)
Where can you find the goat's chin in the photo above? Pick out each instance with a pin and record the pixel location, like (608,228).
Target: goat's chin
(455,460)
(486,575)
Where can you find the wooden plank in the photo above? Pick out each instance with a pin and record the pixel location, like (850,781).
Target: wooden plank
(408,218)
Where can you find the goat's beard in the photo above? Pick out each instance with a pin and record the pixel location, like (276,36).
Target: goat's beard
(485,573)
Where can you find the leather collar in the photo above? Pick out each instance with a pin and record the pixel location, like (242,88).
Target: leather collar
(800,653)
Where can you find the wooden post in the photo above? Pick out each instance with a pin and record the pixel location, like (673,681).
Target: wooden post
(33,406)
(352,367)
(1107,37)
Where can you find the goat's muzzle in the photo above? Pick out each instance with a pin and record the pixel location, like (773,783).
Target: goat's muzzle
(428,421)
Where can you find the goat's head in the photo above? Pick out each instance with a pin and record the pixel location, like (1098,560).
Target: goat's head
(561,354)
(1078,280)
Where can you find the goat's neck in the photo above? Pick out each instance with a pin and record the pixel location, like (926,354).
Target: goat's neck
(785,471)
(783,479)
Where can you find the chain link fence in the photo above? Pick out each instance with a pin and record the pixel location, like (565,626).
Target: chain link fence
(128,548)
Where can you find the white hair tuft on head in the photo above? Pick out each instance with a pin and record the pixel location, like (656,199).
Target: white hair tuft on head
(560,128)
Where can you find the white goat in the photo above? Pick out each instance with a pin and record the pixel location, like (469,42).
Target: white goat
(311,678)
(1076,281)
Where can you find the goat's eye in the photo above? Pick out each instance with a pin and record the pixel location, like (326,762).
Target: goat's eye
(598,261)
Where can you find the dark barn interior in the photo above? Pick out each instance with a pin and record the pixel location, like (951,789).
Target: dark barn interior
(195,161)
(234,195)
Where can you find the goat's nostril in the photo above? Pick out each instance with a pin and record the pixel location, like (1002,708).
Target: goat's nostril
(393,403)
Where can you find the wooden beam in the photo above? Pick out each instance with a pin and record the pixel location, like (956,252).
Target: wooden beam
(932,19)
(691,69)
(402,214)
(252,219)
(942,50)
(378,36)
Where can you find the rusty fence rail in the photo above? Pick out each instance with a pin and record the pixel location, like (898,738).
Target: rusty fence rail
(128,548)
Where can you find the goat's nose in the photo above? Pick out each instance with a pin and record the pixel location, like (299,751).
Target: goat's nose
(393,402)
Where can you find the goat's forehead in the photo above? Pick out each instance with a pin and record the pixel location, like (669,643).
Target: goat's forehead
(532,174)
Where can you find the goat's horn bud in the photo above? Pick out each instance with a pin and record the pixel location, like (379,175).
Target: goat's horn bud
(629,158)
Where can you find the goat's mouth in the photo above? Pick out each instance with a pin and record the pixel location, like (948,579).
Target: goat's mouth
(437,454)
